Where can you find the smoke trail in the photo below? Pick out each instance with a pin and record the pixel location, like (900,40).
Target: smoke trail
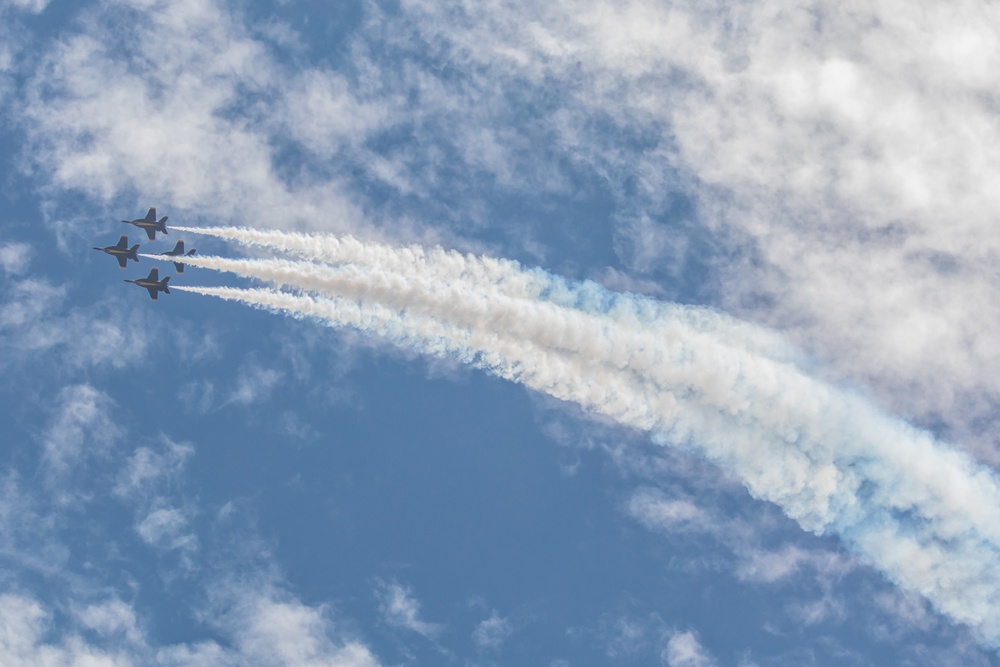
(924,514)
(675,359)
(711,380)
(519,361)
(510,278)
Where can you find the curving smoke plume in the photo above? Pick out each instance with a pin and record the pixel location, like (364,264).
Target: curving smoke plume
(923,513)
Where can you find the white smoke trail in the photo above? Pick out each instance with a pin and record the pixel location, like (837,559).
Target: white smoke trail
(924,514)
(519,361)
(688,362)
(506,277)
(675,358)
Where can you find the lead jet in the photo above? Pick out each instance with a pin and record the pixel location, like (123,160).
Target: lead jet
(178,251)
(152,283)
(150,224)
(122,252)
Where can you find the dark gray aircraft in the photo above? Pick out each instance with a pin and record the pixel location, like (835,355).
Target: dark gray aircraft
(150,224)
(152,283)
(178,251)
(121,251)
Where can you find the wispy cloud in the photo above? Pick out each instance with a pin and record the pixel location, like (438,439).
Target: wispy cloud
(149,468)
(402,610)
(14,258)
(104,124)
(166,528)
(842,161)
(25,638)
(33,6)
(264,627)
(81,429)
(270,627)
(492,632)
(254,383)
(112,618)
(684,650)
(39,317)
(815,573)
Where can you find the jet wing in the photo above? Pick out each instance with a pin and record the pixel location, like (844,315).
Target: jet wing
(122,260)
(151,215)
(151,233)
(152,293)
(123,242)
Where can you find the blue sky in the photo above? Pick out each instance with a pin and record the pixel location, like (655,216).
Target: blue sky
(193,482)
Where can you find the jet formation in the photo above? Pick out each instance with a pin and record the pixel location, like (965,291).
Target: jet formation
(122,252)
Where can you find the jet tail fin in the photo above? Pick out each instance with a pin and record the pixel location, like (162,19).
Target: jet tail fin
(192,251)
(161,226)
(166,289)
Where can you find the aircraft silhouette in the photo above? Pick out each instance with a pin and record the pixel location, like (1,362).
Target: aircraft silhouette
(150,224)
(121,251)
(152,283)
(178,251)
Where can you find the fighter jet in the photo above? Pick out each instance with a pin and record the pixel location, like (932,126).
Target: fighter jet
(152,283)
(150,224)
(121,251)
(178,251)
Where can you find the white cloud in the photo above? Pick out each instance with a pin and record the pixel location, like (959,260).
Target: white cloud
(492,632)
(36,318)
(171,122)
(253,384)
(845,155)
(167,528)
(146,467)
(655,510)
(112,619)
(14,258)
(629,637)
(27,302)
(33,6)
(25,639)
(684,650)
(761,566)
(28,537)
(265,628)
(271,630)
(324,112)
(82,428)
(198,396)
(749,562)
(400,609)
